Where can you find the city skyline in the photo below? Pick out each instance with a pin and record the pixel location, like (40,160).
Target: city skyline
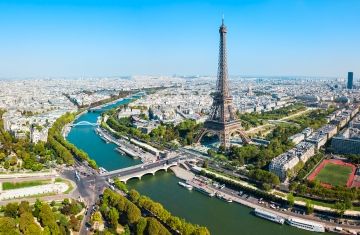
(110,38)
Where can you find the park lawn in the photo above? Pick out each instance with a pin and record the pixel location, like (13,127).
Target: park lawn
(12,185)
(333,174)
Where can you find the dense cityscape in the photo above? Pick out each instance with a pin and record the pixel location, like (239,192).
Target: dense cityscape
(180,154)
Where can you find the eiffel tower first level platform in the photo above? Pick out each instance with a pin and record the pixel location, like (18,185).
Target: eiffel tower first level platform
(222,120)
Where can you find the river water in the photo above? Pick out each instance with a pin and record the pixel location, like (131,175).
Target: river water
(220,217)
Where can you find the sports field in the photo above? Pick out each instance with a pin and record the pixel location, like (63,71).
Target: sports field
(334,174)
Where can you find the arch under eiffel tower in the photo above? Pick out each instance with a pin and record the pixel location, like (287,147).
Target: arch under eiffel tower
(222,120)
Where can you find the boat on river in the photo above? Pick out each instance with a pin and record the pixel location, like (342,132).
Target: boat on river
(187,186)
(305,224)
(269,216)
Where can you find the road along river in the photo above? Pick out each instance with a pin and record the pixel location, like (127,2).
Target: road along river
(220,217)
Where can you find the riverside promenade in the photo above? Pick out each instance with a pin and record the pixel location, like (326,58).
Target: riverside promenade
(253,203)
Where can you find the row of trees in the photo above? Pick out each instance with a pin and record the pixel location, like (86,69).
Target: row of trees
(116,208)
(313,189)
(62,148)
(130,211)
(237,186)
(268,179)
(120,185)
(174,222)
(40,218)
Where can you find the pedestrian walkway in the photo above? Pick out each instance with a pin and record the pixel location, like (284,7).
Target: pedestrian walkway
(182,173)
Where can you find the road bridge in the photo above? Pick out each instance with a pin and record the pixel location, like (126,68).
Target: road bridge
(140,170)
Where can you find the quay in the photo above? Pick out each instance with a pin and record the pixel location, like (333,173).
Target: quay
(251,202)
(128,152)
(127,147)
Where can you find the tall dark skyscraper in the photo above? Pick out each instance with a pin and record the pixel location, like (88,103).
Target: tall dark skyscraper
(222,120)
(350,80)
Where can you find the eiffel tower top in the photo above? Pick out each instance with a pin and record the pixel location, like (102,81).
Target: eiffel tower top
(222,27)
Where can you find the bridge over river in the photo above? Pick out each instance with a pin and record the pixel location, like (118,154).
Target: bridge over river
(84,123)
(140,170)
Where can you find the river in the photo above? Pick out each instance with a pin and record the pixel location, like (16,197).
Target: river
(220,217)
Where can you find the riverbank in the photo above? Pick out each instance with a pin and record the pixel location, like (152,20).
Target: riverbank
(254,203)
(279,194)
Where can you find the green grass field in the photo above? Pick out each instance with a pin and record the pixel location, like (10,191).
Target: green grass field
(333,174)
(11,185)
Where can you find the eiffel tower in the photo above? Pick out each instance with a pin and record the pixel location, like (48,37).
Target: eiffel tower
(222,120)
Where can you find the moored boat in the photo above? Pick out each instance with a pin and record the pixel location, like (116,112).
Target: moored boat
(269,216)
(187,186)
(305,224)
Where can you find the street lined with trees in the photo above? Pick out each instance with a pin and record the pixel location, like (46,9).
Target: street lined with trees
(140,215)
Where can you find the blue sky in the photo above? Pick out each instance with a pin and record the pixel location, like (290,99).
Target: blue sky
(107,37)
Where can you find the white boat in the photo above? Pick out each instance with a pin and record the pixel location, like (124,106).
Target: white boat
(306,224)
(269,216)
(188,186)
